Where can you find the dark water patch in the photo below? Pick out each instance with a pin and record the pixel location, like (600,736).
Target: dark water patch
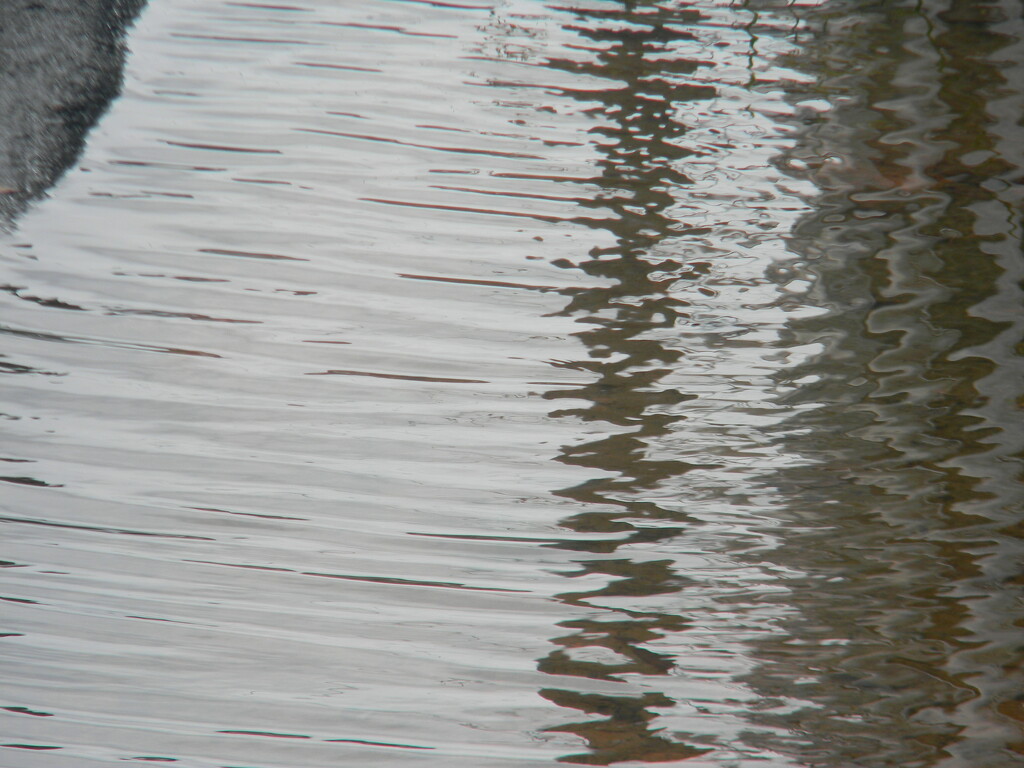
(907,498)
(622,735)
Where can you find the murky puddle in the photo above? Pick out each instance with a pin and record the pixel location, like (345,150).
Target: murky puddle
(447,383)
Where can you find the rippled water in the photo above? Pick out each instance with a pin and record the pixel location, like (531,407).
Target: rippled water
(465,384)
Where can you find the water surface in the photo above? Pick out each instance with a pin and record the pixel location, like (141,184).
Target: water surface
(472,384)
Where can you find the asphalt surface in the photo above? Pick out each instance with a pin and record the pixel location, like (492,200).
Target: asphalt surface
(61,63)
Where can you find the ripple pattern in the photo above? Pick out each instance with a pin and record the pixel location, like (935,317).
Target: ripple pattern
(507,384)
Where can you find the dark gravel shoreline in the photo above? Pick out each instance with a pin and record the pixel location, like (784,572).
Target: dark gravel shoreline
(61,63)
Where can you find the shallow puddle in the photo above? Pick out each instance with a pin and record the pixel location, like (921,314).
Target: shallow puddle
(474,385)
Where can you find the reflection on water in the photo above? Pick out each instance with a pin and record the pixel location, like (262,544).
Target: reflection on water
(465,385)
(658,268)
(911,497)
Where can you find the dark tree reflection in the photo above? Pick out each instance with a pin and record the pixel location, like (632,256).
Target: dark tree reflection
(638,132)
(898,521)
(886,533)
(912,484)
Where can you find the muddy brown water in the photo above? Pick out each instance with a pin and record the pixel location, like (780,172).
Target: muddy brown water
(479,385)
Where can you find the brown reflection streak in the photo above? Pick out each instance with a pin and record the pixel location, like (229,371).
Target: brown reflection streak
(439,4)
(155,618)
(635,185)
(263,181)
(250,254)
(171,166)
(436,148)
(268,734)
(26,711)
(102,529)
(411,582)
(52,303)
(178,351)
(247,514)
(222,148)
(400,377)
(180,315)
(477,537)
(384,28)
(624,734)
(376,743)
(44,336)
(526,195)
(21,480)
(486,283)
(225,39)
(500,134)
(320,65)
(366,579)
(269,7)
(463,209)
